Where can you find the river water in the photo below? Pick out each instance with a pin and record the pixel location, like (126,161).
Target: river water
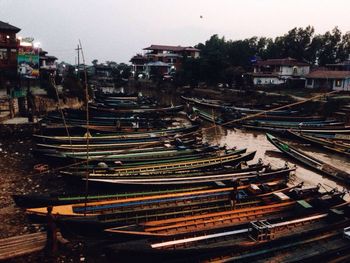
(256,141)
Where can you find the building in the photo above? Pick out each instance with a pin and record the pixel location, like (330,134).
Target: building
(138,64)
(278,71)
(161,59)
(8,54)
(329,79)
(47,63)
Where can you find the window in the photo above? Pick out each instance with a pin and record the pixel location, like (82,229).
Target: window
(309,82)
(338,82)
(3,54)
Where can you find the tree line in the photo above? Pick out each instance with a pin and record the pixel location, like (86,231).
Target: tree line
(224,60)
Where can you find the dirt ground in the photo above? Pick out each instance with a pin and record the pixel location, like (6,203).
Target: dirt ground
(18,176)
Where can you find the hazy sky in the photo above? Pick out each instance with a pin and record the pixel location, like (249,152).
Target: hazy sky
(117,29)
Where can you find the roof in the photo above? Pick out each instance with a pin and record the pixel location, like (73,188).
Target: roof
(281,62)
(138,57)
(48,57)
(328,74)
(8,27)
(170,48)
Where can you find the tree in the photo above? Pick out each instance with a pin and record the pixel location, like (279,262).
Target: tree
(72,85)
(224,61)
(47,85)
(329,45)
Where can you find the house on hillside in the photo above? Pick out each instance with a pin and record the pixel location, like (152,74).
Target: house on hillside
(8,54)
(278,71)
(329,79)
(161,60)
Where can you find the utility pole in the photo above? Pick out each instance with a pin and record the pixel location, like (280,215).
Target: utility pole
(78,50)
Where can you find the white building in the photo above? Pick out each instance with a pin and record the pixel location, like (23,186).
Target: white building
(328,79)
(278,71)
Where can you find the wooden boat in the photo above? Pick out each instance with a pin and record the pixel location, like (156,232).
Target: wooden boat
(292,124)
(133,153)
(118,95)
(78,128)
(325,131)
(32,201)
(342,138)
(207,116)
(241,110)
(149,169)
(158,200)
(166,166)
(287,118)
(199,223)
(118,136)
(242,243)
(259,168)
(309,161)
(241,167)
(147,157)
(220,179)
(146,110)
(332,146)
(122,122)
(216,104)
(114,147)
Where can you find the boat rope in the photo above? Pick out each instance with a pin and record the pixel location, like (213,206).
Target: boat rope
(61,111)
(87,129)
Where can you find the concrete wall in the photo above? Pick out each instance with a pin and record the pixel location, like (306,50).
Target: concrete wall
(344,85)
(328,83)
(267,81)
(300,71)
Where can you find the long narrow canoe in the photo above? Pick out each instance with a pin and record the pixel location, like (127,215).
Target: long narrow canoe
(119,136)
(326,131)
(208,116)
(149,157)
(293,124)
(66,149)
(254,111)
(217,104)
(309,161)
(32,201)
(74,121)
(116,146)
(164,110)
(329,145)
(112,166)
(231,159)
(342,138)
(194,180)
(160,201)
(101,207)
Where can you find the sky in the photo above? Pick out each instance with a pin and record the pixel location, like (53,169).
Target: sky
(115,30)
